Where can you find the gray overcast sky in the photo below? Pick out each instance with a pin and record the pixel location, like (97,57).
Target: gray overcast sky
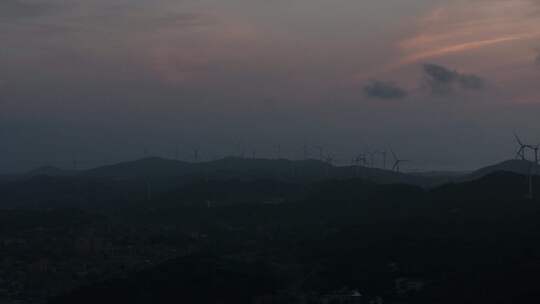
(444,83)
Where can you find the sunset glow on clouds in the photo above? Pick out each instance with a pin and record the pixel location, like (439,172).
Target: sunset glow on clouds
(472,26)
(496,39)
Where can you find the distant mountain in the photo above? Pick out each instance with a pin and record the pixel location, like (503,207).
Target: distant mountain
(515,166)
(310,170)
(251,169)
(168,172)
(143,168)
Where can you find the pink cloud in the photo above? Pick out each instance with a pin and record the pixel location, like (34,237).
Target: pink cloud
(463,27)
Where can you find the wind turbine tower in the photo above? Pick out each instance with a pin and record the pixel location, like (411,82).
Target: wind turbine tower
(532,170)
(329,160)
(383,153)
(359,159)
(535,149)
(372,155)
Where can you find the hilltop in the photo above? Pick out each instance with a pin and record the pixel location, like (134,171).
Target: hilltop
(238,168)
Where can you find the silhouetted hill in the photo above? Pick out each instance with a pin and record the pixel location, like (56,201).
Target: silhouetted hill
(459,241)
(219,192)
(249,169)
(515,166)
(237,180)
(498,185)
(360,190)
(283,169)
(143,168)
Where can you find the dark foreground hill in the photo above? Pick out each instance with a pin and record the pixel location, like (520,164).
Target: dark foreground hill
(499,185)
(472,242)
(194,280)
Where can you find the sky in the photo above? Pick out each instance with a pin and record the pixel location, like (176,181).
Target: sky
(442,83)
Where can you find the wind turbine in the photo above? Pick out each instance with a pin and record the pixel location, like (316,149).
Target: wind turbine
(329,160)
(532,169)
(532,166)
(397,161)
(522,147)
(360,158)
(370,157)
(536,149)
(363,159)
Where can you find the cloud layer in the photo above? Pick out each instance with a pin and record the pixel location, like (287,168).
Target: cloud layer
(458,27)
(443,80)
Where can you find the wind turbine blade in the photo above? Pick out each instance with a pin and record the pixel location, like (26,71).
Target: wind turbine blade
(393,154)
(518,139)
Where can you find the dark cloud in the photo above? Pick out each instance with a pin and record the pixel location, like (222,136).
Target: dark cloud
(444,80)
(440,74)
(471,82)
(14,9)
(384,90)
